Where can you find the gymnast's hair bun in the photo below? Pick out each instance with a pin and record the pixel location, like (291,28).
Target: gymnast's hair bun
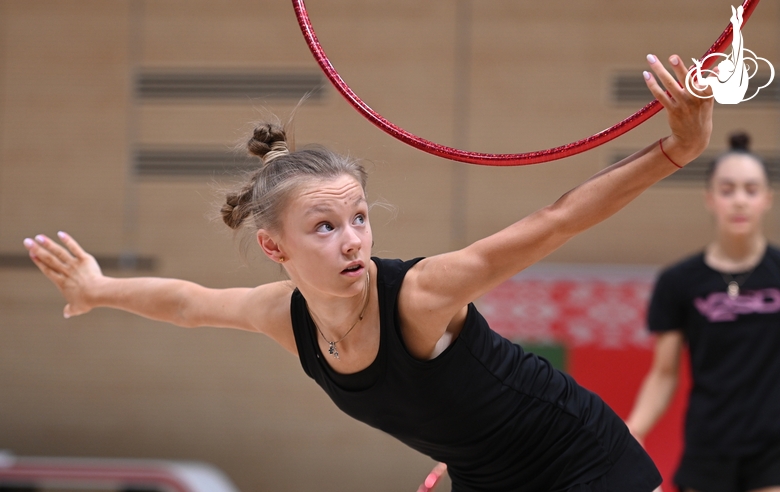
(739,142)
(268,142)
(237,207)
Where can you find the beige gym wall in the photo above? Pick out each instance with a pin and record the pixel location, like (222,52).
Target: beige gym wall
(110,384)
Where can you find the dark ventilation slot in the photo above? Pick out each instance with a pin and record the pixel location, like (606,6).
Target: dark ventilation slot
(695,172)
(107,262)
(230,85)
(191,162)
(630,88)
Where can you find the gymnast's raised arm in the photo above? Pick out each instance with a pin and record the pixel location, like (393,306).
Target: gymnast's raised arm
(435,292)
(76,274)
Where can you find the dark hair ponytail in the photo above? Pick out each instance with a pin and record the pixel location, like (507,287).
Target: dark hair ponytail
(739,144)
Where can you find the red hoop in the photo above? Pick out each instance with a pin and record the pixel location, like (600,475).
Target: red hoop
(477,157)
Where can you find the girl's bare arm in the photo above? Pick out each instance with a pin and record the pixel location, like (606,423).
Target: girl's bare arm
(658,386)
(438,288)
(264,309)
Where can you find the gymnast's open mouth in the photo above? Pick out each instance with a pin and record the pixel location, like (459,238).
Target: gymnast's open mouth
(353,269)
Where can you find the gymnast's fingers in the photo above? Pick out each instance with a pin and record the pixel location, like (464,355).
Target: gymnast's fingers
(49,272)
(73,246)
(72,275)
(680,71)
(669,83)
(39,251)
(656,89)
(55,249)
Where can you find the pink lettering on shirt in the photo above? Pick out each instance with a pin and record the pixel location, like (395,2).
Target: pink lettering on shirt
(718,306)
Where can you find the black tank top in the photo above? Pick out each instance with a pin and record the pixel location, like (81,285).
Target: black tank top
(502,419)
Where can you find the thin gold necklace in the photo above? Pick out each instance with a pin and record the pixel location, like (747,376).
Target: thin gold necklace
(332,350)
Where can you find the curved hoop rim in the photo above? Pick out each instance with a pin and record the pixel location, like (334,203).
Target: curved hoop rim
(480,158)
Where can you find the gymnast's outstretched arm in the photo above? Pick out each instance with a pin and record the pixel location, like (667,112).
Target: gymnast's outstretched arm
(438,288)
(77,275)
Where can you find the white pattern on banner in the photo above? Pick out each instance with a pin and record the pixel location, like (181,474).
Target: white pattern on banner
(573,305)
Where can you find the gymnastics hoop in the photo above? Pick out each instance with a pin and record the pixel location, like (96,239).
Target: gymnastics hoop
(523,159)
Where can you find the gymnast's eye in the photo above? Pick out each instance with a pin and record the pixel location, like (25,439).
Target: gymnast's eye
(726,189)
(360,219)
(324,227)
(751,189)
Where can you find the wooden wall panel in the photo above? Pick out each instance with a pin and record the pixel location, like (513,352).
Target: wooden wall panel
(65,96)
(114,385)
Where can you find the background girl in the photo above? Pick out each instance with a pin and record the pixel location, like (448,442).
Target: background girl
(725,304)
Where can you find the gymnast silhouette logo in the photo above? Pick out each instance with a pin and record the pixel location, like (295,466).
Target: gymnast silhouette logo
(730,81)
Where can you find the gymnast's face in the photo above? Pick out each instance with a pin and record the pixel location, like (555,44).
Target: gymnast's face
(739,195)
(326,237)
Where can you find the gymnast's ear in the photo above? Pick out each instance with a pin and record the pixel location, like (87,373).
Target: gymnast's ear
(270,246)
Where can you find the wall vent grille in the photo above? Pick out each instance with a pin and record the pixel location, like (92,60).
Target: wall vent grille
(179,162)
(230,85)
(107,262)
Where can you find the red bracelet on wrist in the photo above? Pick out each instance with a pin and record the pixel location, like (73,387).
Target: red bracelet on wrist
(661,144)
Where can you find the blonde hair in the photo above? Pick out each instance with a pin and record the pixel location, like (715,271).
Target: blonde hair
(267,191)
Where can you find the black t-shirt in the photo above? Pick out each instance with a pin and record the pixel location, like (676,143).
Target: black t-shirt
(501,418)
(734,406)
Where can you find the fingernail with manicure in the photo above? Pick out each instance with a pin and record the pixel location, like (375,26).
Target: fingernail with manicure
(646,75)
(674,61)
(62,235)
(28,242)
(651,58)
(40,238)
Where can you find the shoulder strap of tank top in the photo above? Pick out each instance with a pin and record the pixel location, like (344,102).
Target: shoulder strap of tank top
(390,276)
(304,340)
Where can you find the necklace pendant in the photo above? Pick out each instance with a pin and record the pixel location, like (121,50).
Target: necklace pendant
(332,350)
(733,290)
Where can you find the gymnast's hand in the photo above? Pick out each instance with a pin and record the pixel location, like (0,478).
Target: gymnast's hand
(72,270)
(690,118)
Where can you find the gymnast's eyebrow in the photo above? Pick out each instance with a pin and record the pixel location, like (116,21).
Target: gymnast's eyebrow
(327,208)
(319,209)
(732,181)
